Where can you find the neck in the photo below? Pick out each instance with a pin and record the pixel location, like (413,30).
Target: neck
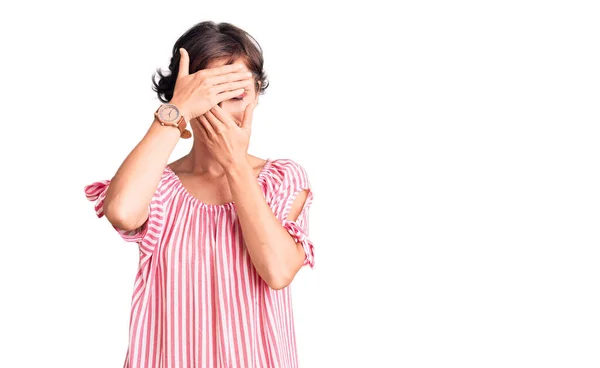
(200,160)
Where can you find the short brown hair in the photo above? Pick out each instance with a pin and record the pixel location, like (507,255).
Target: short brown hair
(205,42)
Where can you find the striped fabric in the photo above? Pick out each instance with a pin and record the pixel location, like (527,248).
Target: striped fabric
(197,300)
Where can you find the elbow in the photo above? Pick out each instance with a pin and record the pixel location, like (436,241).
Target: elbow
(120,217)
(278,284)
(279,280)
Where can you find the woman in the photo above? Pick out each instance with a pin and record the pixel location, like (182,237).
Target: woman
(221,233)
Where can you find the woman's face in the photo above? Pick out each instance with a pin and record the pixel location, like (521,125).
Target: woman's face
(236,106)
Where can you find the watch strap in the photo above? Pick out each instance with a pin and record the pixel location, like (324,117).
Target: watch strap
(185,133)
(181,124)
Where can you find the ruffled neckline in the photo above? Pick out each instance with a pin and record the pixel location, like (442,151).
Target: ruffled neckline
(229,205)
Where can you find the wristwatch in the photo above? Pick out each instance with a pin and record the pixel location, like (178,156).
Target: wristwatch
(169,115)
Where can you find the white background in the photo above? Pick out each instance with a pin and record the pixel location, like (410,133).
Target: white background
(452,148)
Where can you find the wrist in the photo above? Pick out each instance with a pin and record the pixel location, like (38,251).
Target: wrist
(169,114)
(182,110)
(237,168)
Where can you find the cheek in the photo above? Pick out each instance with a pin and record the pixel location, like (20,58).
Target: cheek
(235,108)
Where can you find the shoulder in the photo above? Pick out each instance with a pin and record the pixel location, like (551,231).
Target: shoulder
(167,183)
(287,170)
(286,176)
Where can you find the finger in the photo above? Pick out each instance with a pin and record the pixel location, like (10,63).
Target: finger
(229,77)
(203,132)
(223,96)
(216,124)
(210,132)
(248,113)
(223,69)
(184,63)
(233,85)
(222,115)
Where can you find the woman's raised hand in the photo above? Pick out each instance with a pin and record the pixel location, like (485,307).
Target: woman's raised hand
(197,93)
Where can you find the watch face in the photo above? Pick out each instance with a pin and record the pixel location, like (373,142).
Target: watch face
(168,112)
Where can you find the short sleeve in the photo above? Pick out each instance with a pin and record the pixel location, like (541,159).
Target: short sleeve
(148,233)
(294,180)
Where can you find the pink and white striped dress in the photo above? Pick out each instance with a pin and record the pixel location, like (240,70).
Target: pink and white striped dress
(197,299)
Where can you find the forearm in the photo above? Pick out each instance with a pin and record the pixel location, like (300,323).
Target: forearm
(135,182)
(273,251)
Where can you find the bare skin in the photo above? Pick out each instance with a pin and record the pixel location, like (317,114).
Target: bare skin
(206,186)
(217,170)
